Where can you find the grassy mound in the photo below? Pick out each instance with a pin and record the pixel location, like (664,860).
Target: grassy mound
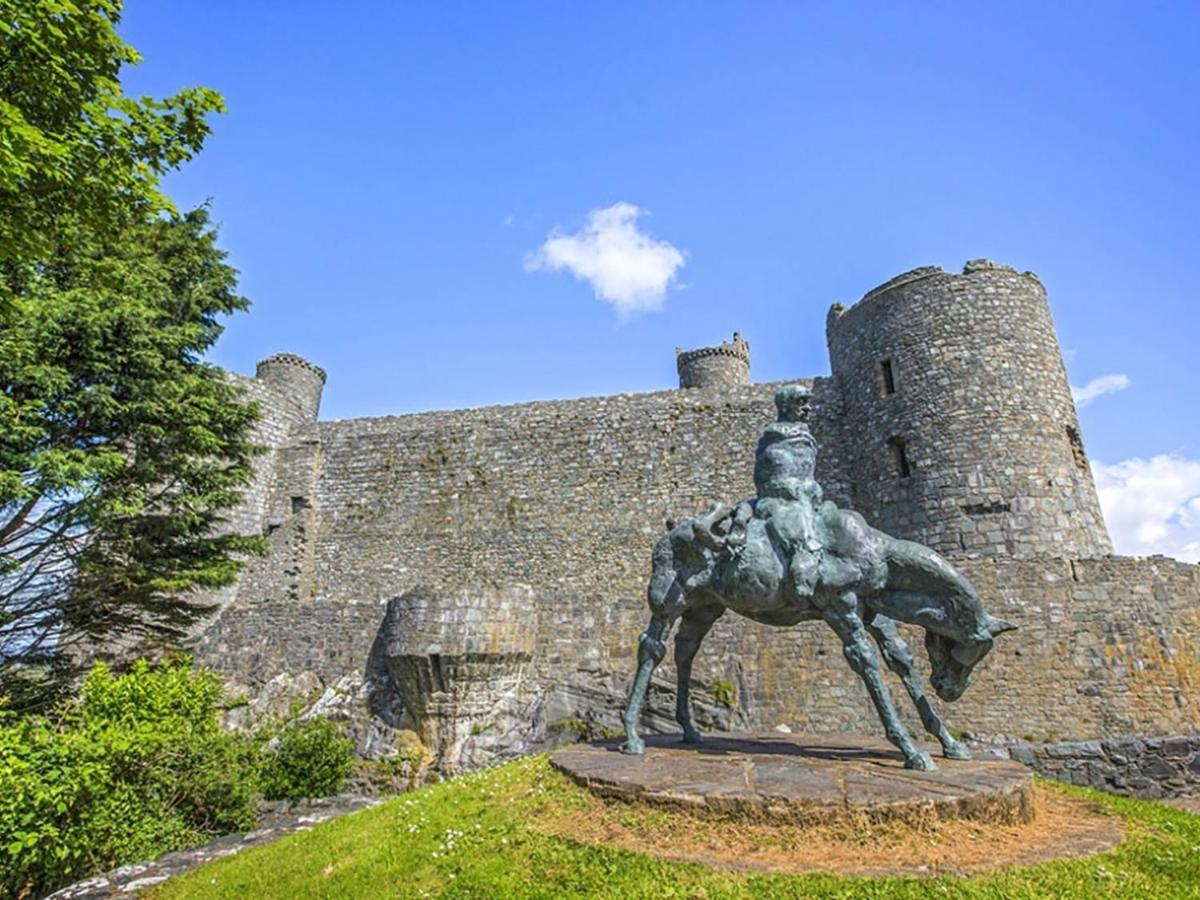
(499,834)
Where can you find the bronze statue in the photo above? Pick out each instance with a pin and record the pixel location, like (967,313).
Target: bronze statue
(788,556)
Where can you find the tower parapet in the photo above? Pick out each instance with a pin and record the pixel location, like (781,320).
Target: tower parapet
(963,432)
(296,381)
(720,366)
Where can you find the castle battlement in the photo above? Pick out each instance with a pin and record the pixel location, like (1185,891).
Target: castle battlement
(284,361)
(948,413)
(922,273)
(947,419)
(966,434)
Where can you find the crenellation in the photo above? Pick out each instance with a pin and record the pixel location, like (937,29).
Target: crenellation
(297,385)
(721,366)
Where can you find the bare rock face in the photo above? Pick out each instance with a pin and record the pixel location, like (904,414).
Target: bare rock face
(283,696)
(351,701)
(459,659)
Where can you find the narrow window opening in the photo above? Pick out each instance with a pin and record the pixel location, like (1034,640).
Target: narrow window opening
(887,376)
(900,452)
(1076,442)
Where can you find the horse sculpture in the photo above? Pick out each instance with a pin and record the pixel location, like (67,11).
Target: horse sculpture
(787,557)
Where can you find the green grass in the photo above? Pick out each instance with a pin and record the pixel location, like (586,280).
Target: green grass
(476,836)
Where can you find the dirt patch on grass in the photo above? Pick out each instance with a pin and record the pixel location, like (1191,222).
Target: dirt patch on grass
(1062,828)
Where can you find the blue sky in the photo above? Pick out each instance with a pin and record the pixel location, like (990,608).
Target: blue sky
(387,173)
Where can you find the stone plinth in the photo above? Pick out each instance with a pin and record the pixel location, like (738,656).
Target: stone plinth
(800,779)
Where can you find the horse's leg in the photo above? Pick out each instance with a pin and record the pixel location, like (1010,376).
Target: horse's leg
(844,618)
(692,628)
(652,648)
(899,658)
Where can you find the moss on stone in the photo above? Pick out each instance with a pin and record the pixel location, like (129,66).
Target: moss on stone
(725,692)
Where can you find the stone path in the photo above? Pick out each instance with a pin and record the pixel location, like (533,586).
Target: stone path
(1189,803)
(801,779)
(279,819)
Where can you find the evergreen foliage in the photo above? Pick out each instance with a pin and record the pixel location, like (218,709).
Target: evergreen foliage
(307,758)
(119,448)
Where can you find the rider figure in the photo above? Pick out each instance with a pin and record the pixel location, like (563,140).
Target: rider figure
(789,499)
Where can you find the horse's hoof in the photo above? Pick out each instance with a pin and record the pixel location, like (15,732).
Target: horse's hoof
(921,761)
(956,750)
(690,736)
(633,747)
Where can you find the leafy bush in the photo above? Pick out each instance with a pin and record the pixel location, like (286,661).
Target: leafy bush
(133,768)
(137,766)
(305,758)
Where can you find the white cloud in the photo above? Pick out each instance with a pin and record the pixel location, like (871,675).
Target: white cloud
(1152,505)
(625,267)
(1098,387)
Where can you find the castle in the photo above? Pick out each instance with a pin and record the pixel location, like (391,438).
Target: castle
(947,418)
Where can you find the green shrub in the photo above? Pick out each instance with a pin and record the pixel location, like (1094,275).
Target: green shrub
(305,758)
(135,767)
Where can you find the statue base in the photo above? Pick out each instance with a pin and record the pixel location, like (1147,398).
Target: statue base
(801,779)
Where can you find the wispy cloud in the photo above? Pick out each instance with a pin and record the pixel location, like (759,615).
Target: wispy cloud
(625,267)
(1152,505)
(1098,387)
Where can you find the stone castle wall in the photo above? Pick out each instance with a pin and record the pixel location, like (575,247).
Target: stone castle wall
(569,497)
(287,391)
(1133,766)
(1075,669)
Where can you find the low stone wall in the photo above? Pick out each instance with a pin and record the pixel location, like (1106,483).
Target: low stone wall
(1148,767)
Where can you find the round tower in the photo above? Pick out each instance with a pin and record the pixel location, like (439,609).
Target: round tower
(297,382)
(720,366)
(961,431)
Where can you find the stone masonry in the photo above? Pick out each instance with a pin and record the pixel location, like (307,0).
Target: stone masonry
(947,419)
(1133,766)
(460,662)
(962,376)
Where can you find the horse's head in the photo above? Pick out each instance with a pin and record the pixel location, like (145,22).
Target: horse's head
(953,660)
